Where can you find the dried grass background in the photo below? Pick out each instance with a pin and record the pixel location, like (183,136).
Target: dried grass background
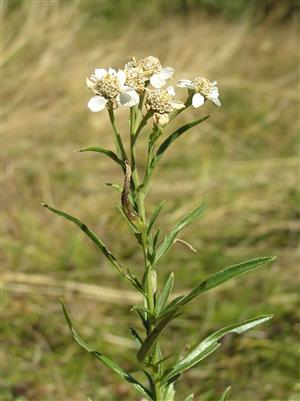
(243,161)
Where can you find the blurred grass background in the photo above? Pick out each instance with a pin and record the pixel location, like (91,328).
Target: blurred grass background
(243,161)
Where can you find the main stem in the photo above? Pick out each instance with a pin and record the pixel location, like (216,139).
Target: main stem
(140,193)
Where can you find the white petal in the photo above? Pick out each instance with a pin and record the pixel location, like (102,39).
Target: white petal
(214,83)
(171,91)
(112,71)
(185,83)
(89,83)
(122,77)
(178,105)
(129,65)
(97,103)
(197,100)
(128,99)
(214,93)
(215,100)
(157,81)
(167,72)
(100,73)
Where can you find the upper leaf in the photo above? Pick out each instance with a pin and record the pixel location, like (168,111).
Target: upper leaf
(154,216)
(183,222)
(163,298)
(219,278)
(210,344)
(97,241)
(106,152)
(171,138)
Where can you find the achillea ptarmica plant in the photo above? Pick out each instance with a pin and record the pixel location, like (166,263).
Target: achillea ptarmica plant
(140,87)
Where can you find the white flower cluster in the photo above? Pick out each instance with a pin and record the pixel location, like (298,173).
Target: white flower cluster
(146,77)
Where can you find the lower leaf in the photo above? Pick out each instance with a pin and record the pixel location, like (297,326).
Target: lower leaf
(105,360)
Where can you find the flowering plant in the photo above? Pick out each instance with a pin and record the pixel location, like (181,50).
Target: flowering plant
(141,86)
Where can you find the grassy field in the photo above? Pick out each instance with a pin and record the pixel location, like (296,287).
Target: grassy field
(243,161)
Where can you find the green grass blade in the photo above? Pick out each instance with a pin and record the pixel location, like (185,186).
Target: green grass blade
(97,241)
(105,360)
(223,276)
(106,152)
(183,222)
(210,344)
(171,138)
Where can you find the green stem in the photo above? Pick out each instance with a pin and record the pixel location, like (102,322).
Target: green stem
(119,144)
(136,125)
(158,391)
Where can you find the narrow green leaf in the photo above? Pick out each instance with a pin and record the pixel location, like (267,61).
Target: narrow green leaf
(117,187)
(189,398)
(136,336)
(106,361)
(106,152)
(150,381)
(210,344)
(163,298)
(134,229)
(225,394)
(183,222)
(223,276)
(100,245)
(171,138)
(154,216)
(152,337)
(141,309)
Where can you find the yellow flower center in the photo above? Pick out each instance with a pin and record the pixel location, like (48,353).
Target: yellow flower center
(150,65)
(202,86)
(108,87)
(135,79)
(160,101)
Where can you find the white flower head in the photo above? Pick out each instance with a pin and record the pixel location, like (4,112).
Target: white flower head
(161,103)
(110,90)
(152,70)
(135,78)
(203,89)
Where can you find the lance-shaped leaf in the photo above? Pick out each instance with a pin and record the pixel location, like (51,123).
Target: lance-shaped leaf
(154,216)
(219,278)
(163,298)
(225,394)
(183,222)
(100,245)
(171,138)
(210,344)
(152,337)
(106,152)
(225,275)
(106,361)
